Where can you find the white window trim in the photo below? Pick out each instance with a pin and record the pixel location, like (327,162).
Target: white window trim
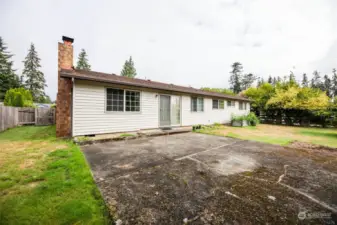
(124,103)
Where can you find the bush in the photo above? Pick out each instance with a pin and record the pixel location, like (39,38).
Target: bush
(238,118)
(18,97)
(196,127)
(251,119)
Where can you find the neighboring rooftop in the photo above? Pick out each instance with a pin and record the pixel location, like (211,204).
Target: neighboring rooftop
(136,82)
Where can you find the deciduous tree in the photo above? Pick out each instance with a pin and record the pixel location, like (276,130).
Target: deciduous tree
(18,97)
(247,80)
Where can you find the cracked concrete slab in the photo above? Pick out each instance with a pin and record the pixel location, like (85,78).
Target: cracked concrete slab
(206,179)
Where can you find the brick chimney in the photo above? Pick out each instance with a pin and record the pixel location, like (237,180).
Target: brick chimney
(64,91)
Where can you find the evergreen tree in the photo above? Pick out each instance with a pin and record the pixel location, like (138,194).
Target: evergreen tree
(327,85)
(270,79)
(247,80)
(305,82)
(279,79)
(235,78)
(32,75)
(292,77)
(316,81)
(274,81)
(8,78)
(129,69)
(334,82)
(83,62)
(259,83)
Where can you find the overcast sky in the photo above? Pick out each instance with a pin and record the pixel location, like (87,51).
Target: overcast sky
(186,42)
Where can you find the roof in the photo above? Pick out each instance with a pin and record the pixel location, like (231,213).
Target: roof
(136,82)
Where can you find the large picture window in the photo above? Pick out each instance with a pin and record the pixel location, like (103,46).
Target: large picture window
(218,104)
(197,104)
(118,100)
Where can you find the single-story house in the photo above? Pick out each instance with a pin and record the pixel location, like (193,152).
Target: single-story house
(90,103)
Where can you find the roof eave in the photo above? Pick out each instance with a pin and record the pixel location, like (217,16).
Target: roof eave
(79,77)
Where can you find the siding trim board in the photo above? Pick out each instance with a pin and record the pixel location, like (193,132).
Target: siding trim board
(90,116)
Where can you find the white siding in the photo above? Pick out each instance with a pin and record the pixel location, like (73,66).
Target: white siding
(89,116)
(209,115)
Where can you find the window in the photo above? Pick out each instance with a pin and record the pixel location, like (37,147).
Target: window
(221,104)
(118,100)
(242,105)
(215,104)
(231,103)
(115,100)
(132,101)
(197,104)
(218,104)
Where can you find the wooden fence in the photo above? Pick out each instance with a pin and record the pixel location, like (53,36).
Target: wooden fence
(16,116)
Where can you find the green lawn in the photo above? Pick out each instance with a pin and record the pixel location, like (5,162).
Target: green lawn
(46,181)
(273,134)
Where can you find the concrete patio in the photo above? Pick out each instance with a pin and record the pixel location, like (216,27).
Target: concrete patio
(203,179)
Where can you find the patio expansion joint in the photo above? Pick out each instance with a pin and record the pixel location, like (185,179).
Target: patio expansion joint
(207,150)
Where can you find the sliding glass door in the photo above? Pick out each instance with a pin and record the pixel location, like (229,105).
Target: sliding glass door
(175,110)
(169,110)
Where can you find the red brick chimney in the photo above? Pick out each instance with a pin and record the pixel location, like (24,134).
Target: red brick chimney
(64,91)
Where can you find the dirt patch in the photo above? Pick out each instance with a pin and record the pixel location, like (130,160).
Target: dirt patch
(309,146)
(33,184)
(26,153)
(27,163)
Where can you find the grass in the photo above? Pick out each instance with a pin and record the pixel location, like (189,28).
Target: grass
(273,134)
(127,135)
(46,181)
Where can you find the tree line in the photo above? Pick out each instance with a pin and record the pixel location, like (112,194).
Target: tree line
(286,99)
(128,69)
(31,79)
(239,81)
(29,86)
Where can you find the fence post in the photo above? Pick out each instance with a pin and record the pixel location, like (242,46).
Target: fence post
(2,125)
(36,115)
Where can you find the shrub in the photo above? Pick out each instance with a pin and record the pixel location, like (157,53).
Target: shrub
(238,118)
(18,97)
(196,127)
(252,119)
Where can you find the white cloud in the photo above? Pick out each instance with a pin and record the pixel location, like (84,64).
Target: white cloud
(191,42)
